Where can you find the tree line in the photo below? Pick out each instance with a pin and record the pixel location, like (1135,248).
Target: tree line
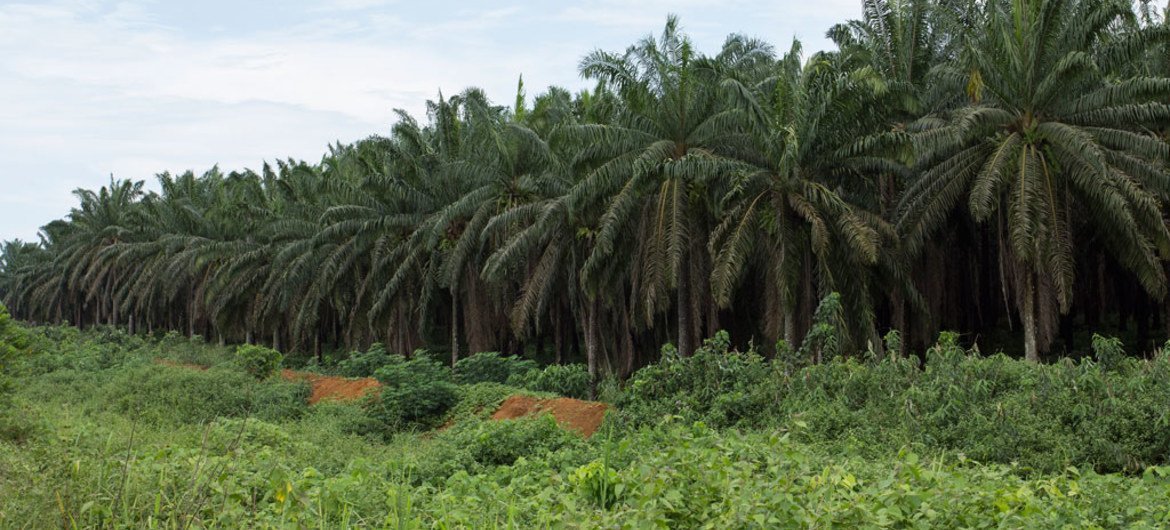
(997,167)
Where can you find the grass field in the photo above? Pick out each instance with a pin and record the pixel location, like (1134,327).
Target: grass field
(97,433)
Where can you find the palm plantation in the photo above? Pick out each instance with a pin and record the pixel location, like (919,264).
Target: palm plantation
(998,168)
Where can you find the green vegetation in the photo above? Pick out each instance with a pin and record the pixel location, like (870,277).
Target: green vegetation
(12,342)
(259,361)
(996,167)
(107,437)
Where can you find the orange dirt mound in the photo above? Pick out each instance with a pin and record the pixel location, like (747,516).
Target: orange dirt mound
(332,387)
(573,414)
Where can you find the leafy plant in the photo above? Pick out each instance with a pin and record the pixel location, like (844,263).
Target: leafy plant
(489,367)
(416,393)
(1108,351)
(714,385)
(571,380)
(259,361)
(365,364)
(824,339)
(599,484)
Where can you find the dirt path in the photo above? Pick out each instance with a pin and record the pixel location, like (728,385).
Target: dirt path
(573,414)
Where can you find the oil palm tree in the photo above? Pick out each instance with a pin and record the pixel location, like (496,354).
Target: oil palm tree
(784,213)
(656,166)
(1052,145)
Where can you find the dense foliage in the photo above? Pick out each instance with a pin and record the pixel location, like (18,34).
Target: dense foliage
(102,439)
(12,342)
(1109,415)
(997,167)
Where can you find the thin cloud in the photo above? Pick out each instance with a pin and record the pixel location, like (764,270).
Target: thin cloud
(134,87)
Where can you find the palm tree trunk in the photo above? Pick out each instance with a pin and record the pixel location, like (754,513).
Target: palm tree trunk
(454,326)
(898,319)
(790,329)
(592,337)
(685,320)
(1031,352)
(627,342)
(558,334)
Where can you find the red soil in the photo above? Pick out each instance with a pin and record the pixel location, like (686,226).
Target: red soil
(328,387)
(573,414)
(324,387)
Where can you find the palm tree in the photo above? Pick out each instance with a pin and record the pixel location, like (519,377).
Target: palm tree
(784,213)
(1050,146)
(657,163)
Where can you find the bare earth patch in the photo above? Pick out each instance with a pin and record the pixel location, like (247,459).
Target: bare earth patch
(329,387)
(572,414)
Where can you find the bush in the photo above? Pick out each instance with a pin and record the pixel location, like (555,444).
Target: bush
(571,380)
(365,364)
(1043,418)
(500,443)
(166,394)
(194,350)
(720,387)
(259,361)
(481,400)
(416,393)
(599,484)
(489,367)
(1109,416)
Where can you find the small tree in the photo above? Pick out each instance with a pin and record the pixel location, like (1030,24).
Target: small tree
(259,361)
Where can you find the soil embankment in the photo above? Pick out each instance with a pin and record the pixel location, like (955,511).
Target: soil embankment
(573,414)
(329,387)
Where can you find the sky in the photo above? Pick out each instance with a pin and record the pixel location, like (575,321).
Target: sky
(91,89)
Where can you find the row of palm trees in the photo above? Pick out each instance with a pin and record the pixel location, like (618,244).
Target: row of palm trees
(981,165)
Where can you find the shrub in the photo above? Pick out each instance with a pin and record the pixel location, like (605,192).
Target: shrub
(62,348)
(717,386)
(365,364)
(166,394)
(259,361)
(499,443)
(599,484)
(416,393)
(992,409)
(241,434)
(570,380)
(480,400)
(489,367)
(194,350)
(823,340)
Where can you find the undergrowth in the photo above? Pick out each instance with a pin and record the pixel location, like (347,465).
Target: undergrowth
(105,436)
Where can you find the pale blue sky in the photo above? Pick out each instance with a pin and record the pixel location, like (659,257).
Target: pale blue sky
(90,88)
